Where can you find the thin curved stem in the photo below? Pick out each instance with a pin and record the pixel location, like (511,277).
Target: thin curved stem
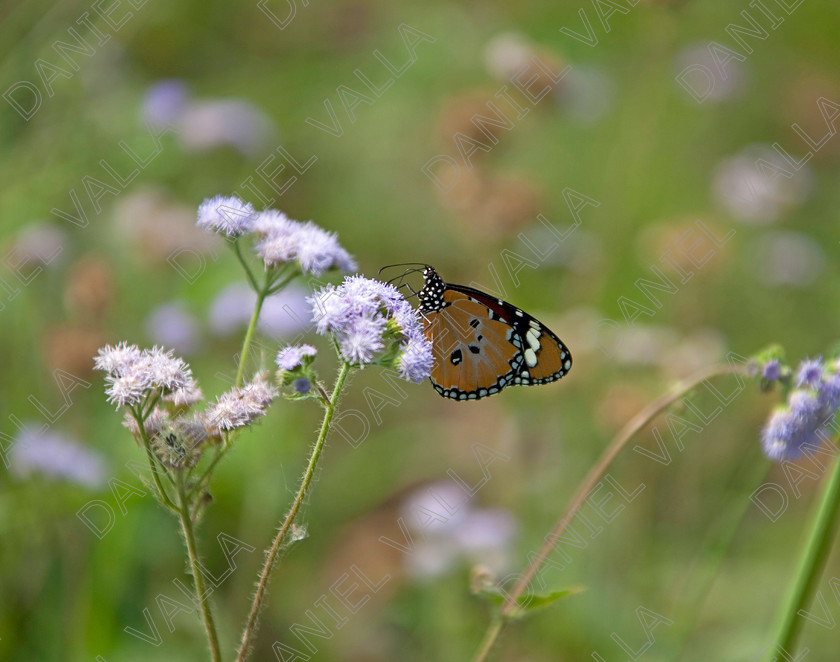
(282,281)
(198,578)
(249,336)
(238,251)
(206,473)
(631,428)
(271,556)
(153,465)
(811,564)
(493,632)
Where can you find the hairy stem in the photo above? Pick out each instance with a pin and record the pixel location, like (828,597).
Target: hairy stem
(198,578)
(633,426)
(271,556)
(811,564)
(153,464)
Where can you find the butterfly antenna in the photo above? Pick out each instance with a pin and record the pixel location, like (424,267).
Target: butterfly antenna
(403,275)
(403,264)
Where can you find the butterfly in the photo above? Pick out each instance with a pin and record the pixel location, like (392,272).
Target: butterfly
(482,344)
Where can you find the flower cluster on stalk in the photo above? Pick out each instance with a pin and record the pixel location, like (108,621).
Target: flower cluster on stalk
(372,322)
(279,240)
(803,423)
(157,390)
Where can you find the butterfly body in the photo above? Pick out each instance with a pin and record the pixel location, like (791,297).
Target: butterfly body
(482,344)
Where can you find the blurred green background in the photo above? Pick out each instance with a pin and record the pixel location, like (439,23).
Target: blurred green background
(233,81)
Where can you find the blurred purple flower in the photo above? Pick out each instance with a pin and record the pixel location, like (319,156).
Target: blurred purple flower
(829,396)
(485,530)
(586,94)
(772,370)
(506,54)
(802,404)
(758,195)
(56,455)
(206,124)
(810,373)
(450,531)
(802,425)
(283,314)
(787,258)
(165,102)
(715,82)
(172,325)
(436,507)
(37,245)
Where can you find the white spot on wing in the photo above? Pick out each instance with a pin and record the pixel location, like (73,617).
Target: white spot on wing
(530,358)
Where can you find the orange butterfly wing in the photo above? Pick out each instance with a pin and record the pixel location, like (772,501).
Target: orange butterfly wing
(476,355)
(482,344)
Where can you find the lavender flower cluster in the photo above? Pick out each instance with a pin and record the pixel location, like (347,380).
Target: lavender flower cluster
(241,406)
(802,424)
(132,374)
(162,384)
(280,240)
(362,314)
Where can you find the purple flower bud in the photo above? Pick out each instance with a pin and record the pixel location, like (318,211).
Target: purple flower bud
(226,215)
(772,370)
(810,373)
(291,356)
(302,385)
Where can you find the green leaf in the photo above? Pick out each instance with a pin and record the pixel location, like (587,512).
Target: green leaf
(527,604)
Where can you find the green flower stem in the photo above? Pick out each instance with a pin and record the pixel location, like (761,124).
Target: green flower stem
(198,578)
(633,426)
(282,279)
(490,637)
(249,335)
(218,456)
(271,556)
(238,251)
(274,282)
(811,564)
(147,409)
(153,464)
